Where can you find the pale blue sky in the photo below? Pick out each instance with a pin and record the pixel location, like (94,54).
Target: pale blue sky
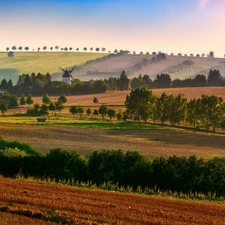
(186,26)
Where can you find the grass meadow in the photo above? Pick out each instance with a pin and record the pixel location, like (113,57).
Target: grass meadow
(26,202)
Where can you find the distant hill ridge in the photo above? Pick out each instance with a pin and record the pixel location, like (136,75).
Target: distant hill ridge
(103,65)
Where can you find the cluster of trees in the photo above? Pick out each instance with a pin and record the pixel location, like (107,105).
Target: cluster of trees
(8,101)
(164,81)
(205,112)
(130,169)
(103,111)
(40,84)
(14,48)
(47,105)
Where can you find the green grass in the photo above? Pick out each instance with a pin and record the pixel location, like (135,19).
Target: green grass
(43,62)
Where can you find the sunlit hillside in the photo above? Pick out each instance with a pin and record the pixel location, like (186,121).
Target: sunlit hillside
(100,66)
(43,62)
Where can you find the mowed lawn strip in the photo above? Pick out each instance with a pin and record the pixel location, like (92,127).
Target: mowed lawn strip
(85,206)
(153,142)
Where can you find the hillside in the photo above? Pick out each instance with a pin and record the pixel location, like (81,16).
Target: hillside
(96,66)
(43,62)
(141,64)
(23,202)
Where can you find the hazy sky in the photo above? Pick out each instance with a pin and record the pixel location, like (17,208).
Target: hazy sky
(186,26)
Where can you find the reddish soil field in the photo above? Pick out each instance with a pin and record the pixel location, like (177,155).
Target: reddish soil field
(119,97)
(23,202)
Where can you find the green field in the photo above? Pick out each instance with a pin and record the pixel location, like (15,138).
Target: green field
(43,62)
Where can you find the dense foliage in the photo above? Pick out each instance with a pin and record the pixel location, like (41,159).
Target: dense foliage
(203,113)
(130,169)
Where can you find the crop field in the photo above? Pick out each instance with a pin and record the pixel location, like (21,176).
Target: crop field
(24,202)
(119,97)
(84,138)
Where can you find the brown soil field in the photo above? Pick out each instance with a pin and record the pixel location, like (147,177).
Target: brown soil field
(23,202)
(119,97)
(150,142)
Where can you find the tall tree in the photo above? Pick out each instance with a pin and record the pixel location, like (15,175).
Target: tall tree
(46,99)
(29,100)
(163,81)
(214,78)
(139,103)
(124,81)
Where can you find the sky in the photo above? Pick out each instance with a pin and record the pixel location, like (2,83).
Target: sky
(169,26)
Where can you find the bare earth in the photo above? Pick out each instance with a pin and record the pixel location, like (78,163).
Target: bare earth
(31,203)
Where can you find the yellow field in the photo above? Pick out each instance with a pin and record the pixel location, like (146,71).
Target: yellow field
(31,203)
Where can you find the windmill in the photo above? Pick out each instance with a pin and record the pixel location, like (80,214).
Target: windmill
(67,76)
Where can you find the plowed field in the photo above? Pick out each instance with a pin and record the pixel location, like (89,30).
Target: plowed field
(31,203)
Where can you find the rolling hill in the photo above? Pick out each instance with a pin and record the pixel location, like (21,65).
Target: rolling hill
(102,65)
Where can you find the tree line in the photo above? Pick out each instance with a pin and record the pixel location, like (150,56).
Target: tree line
(202,113)
(130,169)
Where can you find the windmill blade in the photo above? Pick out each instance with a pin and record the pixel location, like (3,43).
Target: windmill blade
(72,69)
(62,69)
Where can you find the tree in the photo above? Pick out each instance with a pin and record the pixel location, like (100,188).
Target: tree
(70,48)
(124,81)
(65,49)
(95,100)
(102,111)
(29,100)
(199,80)
(57,47)
(77,49)
(80,111)
(139,102)
(3,107)
(45,47)
(73,109)
(91,49)
(51,107)
(100,86)
(14,48)
(22,100)
(13,102)
(63,98)
(161,109)
(10,54)
(95,112)
(211,54)
(177,110)
(26,48)
(88,111)
(163,81)
(39,49)
(85,49)
(20,48)
(111,113)
(103,49)
(59,105)
(97,49)
(214,78)
(46,99)
(7,49)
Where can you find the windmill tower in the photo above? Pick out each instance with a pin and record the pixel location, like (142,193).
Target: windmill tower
(67,77)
